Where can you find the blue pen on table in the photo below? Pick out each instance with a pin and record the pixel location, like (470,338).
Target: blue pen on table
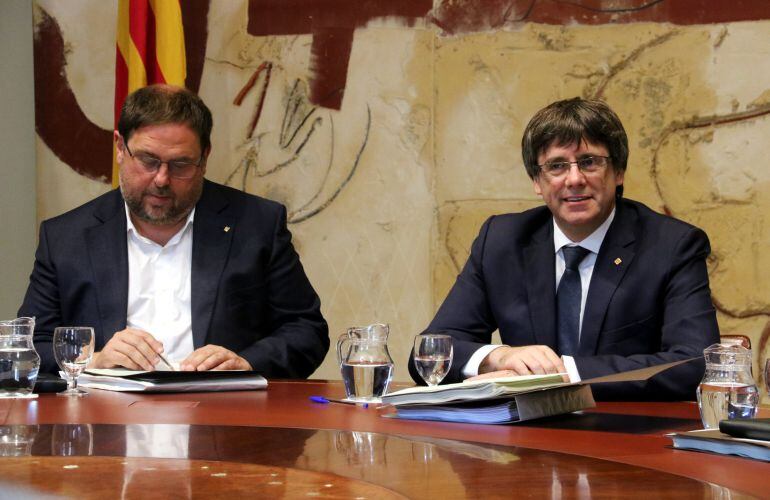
(326,401)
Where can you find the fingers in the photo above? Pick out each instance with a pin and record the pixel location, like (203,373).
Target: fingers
(130,348)
(524,360)
(214,357)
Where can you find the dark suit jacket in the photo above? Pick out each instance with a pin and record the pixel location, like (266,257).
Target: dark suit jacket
(653,306)
(249,290)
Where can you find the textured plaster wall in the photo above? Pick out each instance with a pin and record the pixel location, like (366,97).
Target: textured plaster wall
(386,194)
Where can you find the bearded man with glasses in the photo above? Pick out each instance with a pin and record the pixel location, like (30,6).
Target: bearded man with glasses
(172,266)
(590,284)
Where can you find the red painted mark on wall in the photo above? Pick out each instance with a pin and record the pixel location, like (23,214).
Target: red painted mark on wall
(332,24)
(267,67)
(463,16)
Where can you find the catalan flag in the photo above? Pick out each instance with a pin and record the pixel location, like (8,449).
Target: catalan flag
(150,49)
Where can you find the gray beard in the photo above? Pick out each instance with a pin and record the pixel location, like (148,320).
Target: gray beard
(174,214)
(171,216)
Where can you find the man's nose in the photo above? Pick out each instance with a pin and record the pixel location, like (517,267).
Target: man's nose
(161,176)
(575,176)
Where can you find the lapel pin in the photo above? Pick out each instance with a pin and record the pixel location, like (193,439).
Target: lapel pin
(227,229)
(618,261)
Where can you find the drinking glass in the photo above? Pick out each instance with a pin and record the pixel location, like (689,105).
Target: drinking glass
(432,356)
(73,347)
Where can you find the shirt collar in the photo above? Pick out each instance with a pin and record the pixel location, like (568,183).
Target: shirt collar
(131,229)
(593,242)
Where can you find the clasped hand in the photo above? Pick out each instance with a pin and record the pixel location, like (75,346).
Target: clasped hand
(136,349)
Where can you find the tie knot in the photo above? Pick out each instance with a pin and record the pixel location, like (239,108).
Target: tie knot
(573,256)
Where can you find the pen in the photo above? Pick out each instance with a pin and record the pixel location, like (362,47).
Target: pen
(326,401)
(166,362)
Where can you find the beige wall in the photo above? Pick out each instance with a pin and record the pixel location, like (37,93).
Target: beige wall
(17,154)
(426,145)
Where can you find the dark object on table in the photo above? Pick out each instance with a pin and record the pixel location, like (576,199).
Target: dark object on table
(749,428)
(48,382)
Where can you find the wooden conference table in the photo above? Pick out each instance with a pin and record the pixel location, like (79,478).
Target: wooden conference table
(277,443)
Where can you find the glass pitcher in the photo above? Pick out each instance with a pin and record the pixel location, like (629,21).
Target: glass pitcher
(19,362)
(365,362)
(727,390)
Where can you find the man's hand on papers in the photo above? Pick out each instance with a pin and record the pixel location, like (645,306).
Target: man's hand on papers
(524,360)
(505,373)
(213,357)
(130,348)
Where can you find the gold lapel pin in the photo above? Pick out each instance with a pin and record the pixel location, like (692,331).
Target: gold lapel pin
(618,261)
(227,228)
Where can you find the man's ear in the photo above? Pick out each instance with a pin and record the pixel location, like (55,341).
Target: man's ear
(206,154)
(119,150)
(536,185)
(619,177)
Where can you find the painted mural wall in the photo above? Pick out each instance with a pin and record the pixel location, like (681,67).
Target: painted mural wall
(392,129)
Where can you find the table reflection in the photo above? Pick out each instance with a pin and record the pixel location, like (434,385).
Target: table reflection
(72,440)
(184,460)
(17,440)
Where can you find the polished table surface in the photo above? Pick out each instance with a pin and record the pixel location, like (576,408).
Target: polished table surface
(278,443)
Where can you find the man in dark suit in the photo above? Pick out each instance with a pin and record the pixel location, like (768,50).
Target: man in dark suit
(589,285)
(174,264)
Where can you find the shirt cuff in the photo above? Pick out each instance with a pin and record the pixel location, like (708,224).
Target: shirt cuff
(572,371)
(471,368)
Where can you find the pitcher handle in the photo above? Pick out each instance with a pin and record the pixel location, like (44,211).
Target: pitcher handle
(340,341)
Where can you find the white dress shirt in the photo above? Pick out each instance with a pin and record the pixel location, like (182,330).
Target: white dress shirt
(586,268)
(159,300)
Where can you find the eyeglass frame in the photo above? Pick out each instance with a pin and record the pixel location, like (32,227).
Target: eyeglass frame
(584,169)
(169,163)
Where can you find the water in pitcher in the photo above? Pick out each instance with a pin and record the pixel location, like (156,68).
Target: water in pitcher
(364,381)
(18,371)
(19,363)
(726,401)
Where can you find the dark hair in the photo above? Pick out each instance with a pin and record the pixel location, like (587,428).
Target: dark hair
(159,104)
(569,122)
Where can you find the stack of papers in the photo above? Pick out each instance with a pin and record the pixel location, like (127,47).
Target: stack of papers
(714,441)
(492,401)
(120,379)
(471,391)
(476,412)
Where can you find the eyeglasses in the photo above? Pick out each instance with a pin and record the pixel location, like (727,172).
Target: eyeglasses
(587,165)
(178,169)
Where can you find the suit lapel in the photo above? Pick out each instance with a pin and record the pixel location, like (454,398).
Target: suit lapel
(615,256)
(540,276)
(212,235)
(108,255)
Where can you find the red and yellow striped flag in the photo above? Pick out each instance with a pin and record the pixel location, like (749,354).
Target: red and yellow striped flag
(150,49)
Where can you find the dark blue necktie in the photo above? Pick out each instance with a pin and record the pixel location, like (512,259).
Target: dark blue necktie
(568,302)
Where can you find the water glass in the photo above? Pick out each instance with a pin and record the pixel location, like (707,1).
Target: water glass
(73,347)
(433,356)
